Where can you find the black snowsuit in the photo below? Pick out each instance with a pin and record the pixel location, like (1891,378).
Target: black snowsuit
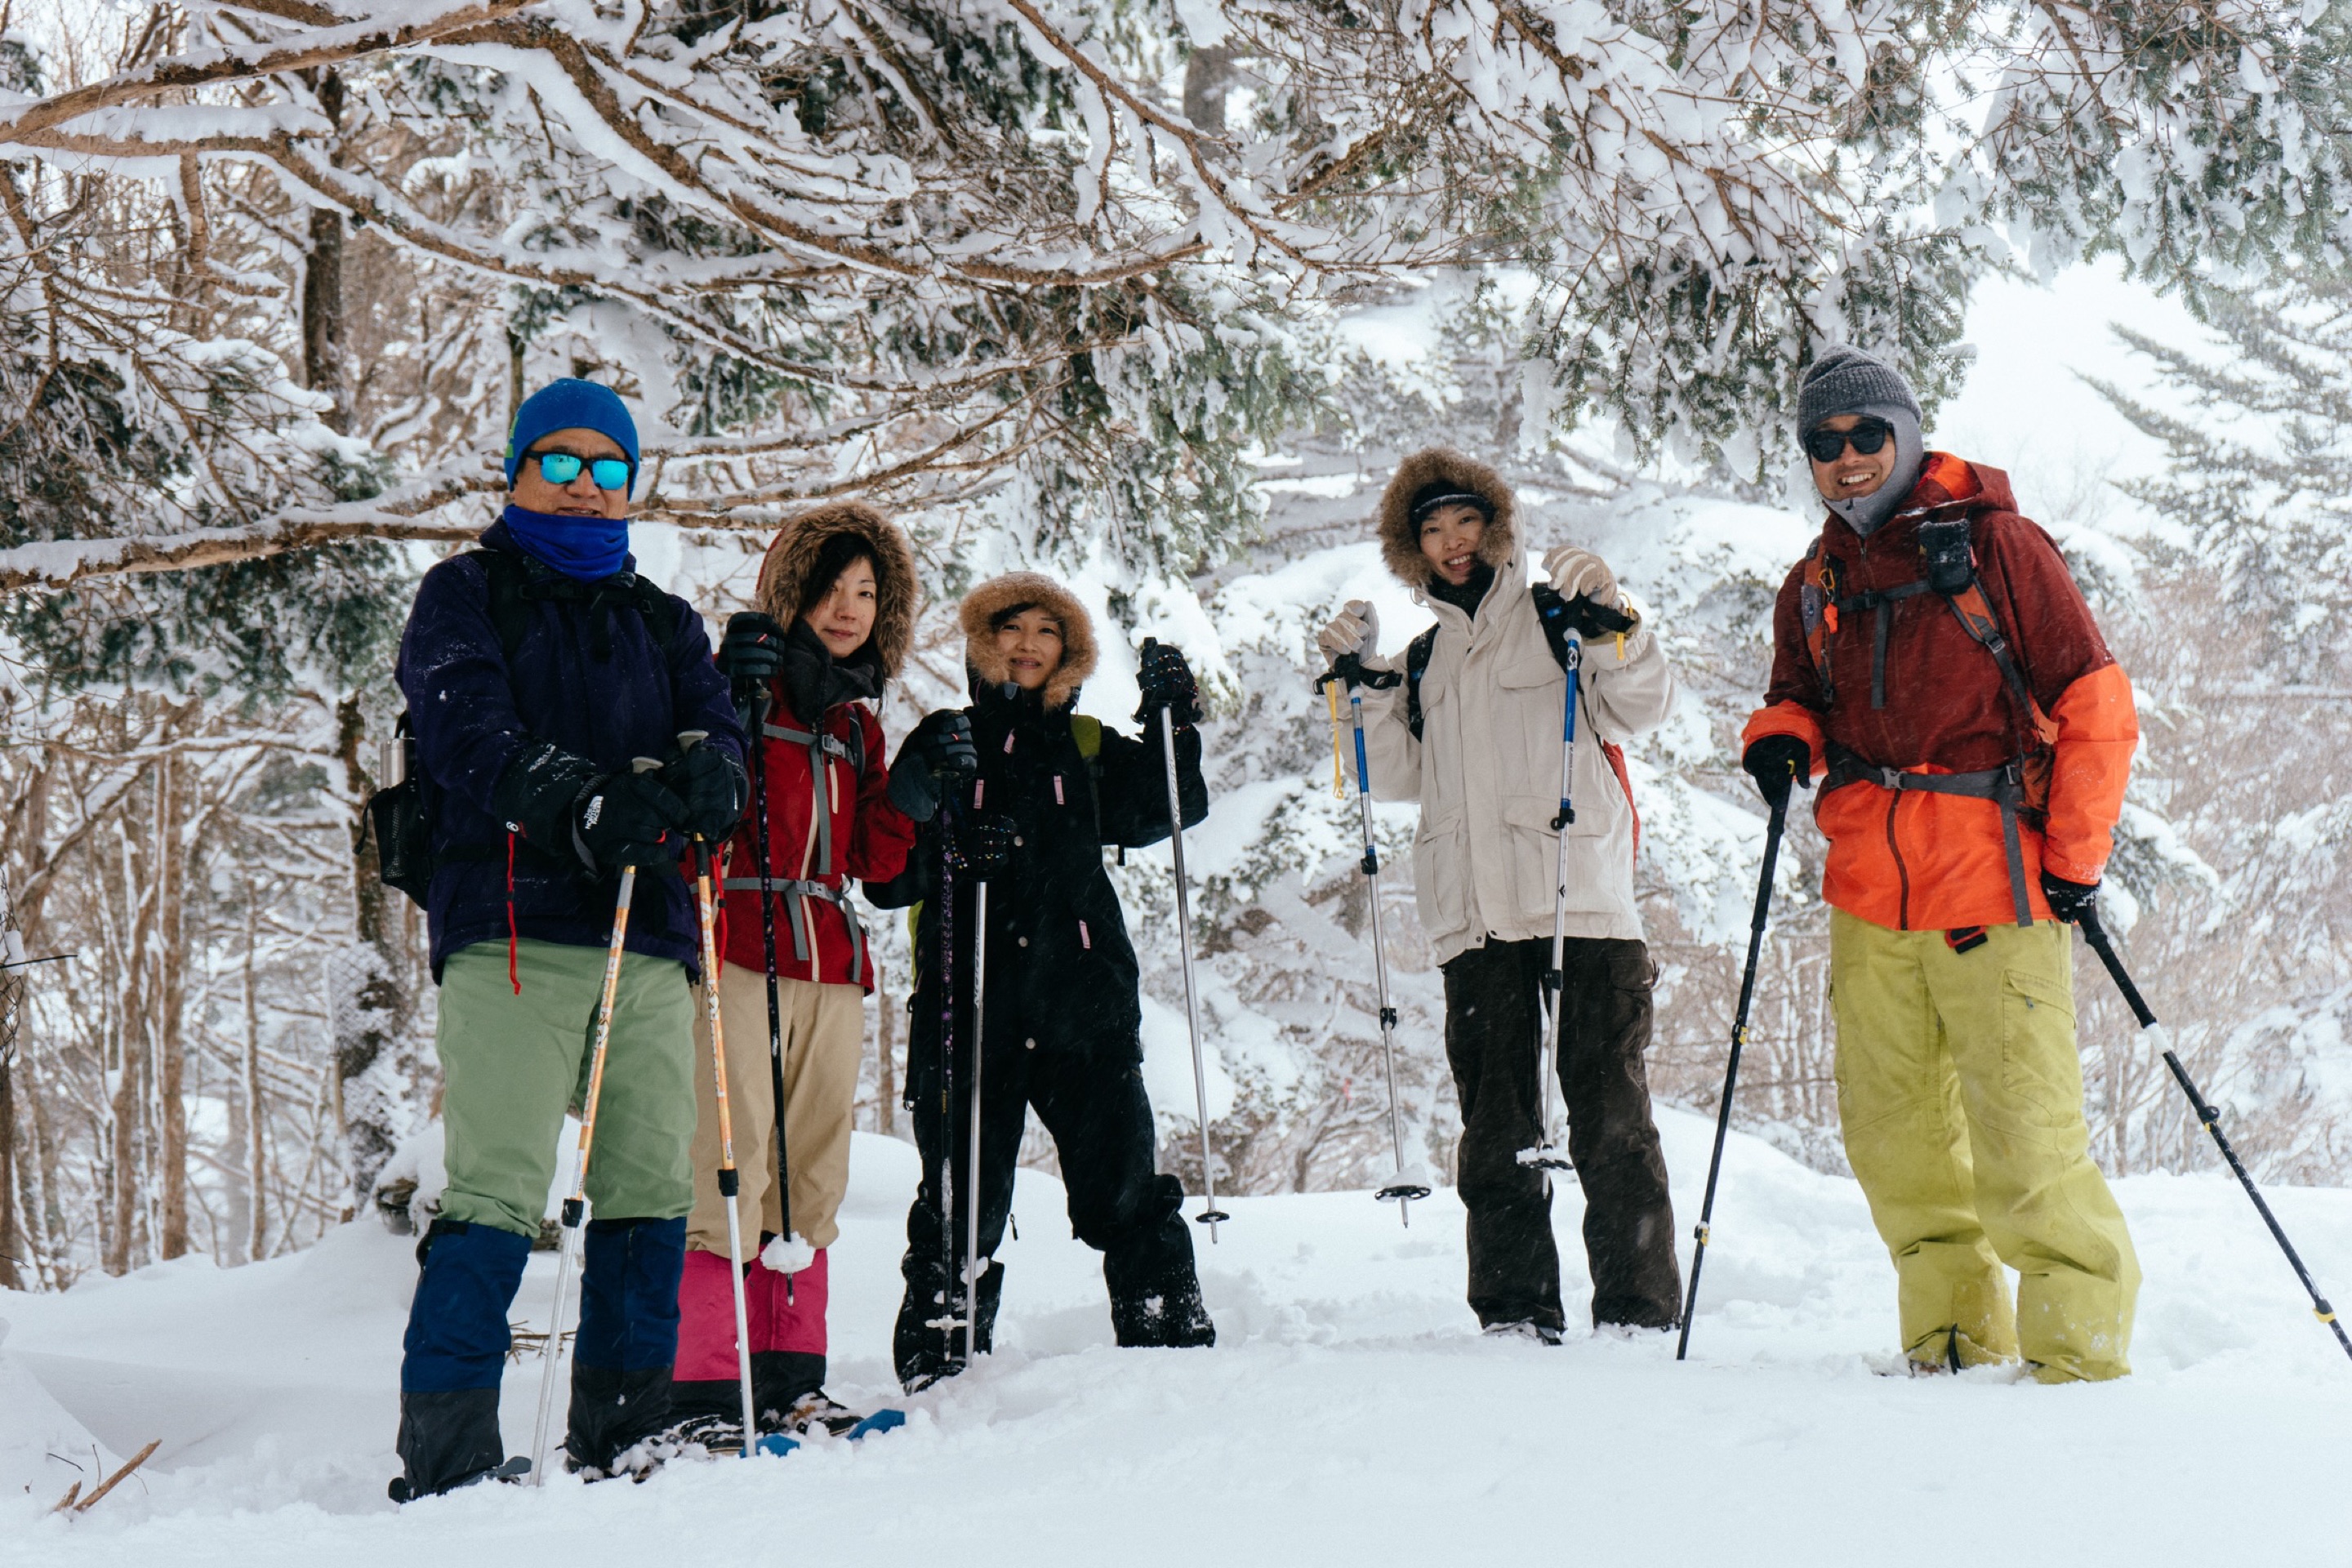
(1063,1026)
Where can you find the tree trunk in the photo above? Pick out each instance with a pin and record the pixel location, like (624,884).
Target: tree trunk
(171,998)
(368,1007)
(12,1276)
(322,284)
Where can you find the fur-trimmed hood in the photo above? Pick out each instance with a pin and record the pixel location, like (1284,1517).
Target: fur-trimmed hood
(998,594)
(1400,540)
(793,553)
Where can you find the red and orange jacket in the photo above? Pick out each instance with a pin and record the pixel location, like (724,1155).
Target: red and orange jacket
(1917,861)
(807,804)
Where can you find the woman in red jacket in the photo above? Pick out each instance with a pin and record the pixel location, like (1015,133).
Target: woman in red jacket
(837,597)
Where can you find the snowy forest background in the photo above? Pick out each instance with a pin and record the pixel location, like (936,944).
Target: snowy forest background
(1149,293)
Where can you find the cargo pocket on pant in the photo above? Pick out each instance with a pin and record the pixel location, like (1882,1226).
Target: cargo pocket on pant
(2039,1067)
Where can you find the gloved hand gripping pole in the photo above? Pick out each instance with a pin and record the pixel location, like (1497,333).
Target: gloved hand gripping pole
(1402,1187)
(1731,1064)
(2095,934)
(1209,1215)
(575,1206)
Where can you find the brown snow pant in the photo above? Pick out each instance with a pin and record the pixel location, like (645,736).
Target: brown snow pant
(824,1040)
(1492,1023)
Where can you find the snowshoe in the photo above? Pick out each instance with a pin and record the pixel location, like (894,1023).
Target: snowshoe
(512,1471)
(820,1409)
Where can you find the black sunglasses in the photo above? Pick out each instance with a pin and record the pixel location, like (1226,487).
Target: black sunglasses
(1867,438)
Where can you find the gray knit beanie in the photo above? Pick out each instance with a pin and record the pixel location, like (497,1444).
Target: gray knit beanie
(1849,381)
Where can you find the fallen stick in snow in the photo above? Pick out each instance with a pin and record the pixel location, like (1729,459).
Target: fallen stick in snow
(66,1501)
(115,1479)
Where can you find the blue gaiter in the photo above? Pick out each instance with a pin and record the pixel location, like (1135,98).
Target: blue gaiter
(587,548)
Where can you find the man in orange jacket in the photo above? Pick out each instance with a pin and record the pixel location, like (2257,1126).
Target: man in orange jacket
(1936,667)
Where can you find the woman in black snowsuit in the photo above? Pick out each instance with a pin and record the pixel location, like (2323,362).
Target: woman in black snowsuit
(1062,1030)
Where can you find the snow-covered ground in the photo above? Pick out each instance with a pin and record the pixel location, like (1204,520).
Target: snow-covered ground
(1351,1413)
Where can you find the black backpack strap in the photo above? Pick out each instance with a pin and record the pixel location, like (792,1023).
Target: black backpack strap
(513,586)
(1417,655)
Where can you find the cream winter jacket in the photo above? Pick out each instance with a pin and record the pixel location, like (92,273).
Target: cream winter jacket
(1486,771)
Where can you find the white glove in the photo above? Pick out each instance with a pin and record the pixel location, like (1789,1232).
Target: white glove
(1355,629)
(1577,573)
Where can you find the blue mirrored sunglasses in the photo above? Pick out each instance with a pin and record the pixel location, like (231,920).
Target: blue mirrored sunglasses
(562,467)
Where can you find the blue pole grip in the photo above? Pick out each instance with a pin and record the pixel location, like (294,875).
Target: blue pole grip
(1363,768)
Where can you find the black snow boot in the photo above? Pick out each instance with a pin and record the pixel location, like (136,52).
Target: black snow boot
(1158,1308)
(612,1413)
(922,1347)
(780,1381)
(1155,1292)
(446,1441)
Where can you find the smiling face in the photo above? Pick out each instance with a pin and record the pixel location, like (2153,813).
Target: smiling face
(1852,474)
(581,498)
(844,619)
(1450,538)
(1030,644)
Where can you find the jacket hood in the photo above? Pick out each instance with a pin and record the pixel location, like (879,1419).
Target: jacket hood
(1400,540)
(1945,480)
(998,594)
(793,556)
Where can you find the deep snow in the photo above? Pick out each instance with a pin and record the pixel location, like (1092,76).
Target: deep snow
(1351,1413)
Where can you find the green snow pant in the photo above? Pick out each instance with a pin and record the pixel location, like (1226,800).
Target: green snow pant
(514,1064)
(1961,1099)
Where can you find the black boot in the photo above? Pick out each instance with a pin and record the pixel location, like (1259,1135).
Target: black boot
(780,1379)
(922,1347)
(1155,1292)
(612,1413)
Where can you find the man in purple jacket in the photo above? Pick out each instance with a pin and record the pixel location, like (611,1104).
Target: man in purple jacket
(537,669)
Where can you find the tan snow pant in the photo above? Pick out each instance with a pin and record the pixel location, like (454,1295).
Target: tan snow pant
(1962,1097)
(825,1037)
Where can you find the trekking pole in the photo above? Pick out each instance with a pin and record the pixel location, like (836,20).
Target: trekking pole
(1731,1065)
(730,1183)
(1401,1188)
(2095,934)
(1546,1155)
(1210,1214)
(768,953)
(575,1206)
(971,1147)
(946,1321)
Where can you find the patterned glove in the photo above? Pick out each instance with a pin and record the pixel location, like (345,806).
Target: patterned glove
(1167,682)
(981,845)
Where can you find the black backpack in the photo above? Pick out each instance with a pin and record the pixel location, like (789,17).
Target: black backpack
(399,813)
(1559,617)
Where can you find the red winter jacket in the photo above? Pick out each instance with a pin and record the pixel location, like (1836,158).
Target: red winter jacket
(870,838)
(1917,861)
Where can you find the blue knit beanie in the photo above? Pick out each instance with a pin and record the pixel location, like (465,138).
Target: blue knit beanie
(572,405)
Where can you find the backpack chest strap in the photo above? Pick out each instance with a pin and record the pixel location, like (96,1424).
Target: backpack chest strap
(821,750)
(805,889)
(2003,785)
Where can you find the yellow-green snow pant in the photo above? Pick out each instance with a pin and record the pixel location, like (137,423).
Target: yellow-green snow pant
(515,1062)
(1962,1097)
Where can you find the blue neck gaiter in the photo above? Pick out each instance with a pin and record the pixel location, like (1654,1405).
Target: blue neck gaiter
(587,548)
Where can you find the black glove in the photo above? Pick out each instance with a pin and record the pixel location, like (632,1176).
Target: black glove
(1775,762)
(1167,682)
(628,819)
(1595,620)
(754,648)
(535,796)
(710,783)
(934,755)
(981,845)
(2069,902)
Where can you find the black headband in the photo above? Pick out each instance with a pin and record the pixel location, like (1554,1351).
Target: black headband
(1425,505)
